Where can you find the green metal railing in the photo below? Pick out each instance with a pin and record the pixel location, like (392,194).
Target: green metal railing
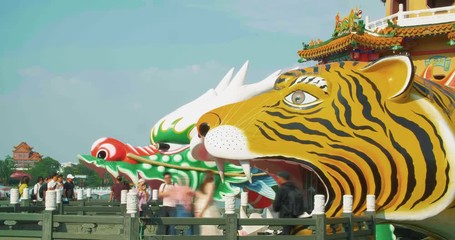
(107,221)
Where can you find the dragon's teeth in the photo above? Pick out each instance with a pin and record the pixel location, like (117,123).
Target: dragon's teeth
(246,169)
(220,166)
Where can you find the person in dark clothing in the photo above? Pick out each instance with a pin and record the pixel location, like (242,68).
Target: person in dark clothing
(116,190)
(68,188)
(288,200)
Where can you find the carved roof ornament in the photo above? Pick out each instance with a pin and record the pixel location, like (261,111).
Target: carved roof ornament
(386,34)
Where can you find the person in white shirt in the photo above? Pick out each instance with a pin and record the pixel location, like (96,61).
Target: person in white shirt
(52,184)
(168,206)
(36,188)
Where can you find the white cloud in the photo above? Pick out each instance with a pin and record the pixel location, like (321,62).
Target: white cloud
(34,71)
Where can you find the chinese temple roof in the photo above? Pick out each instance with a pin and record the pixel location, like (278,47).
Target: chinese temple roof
(23,146)
(35,156)
(382,39)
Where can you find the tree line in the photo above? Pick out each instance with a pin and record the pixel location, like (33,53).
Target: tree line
(47,166)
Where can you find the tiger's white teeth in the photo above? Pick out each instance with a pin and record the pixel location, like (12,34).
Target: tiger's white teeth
(220,166)
(246,169)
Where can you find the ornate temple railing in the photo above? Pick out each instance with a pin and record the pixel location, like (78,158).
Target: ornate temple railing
(94,219)
(413,18)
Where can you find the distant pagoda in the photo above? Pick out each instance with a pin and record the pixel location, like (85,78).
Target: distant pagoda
(24,156)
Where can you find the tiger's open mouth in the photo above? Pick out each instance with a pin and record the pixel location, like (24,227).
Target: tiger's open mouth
(303,173)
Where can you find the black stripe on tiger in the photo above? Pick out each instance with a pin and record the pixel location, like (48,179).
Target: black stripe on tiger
(393,168)
(299,113)
(446,183)
(329,126)
(293,82)
(437,99)
(426,145)
(348,113)
(345,177)
(337,113)
(412,182)
(264,133)
(279,115)
(427,91)
(350,123)
(290,137)
(339,206)
(421,89)
(302,128)
(366,110)
(441,93)
(368,161)
(354,167)
(375,89)
(272,106)
(347,82)
(435,131)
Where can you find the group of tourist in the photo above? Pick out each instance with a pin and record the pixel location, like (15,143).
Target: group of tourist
(52,182)
(182,201)
(176,201)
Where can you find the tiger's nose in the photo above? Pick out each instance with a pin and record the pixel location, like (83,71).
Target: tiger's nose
(203,129)
(206,122)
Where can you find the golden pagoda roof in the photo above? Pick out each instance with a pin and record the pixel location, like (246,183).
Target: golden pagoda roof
(384,39)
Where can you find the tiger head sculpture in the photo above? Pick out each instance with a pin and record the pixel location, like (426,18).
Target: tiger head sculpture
(361,128)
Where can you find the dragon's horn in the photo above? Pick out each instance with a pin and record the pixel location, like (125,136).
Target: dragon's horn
(264,85)
(224,83)
(239,78)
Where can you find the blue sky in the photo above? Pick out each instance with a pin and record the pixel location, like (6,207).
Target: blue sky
(74,71)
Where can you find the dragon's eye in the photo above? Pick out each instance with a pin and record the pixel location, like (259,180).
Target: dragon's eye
(163,146)
(101,154)
(168,148)
(299,98)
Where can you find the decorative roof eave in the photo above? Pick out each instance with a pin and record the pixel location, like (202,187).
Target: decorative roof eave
(451,36)
(334,46)
(427,30)
(378,42)
(343,43)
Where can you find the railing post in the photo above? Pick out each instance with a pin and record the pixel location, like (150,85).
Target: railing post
(131,203)
(371,211)
(88,193)
(232,222)
(347,212)
(50,204)
(79,194)
(47,225)
(25,194)
(131,227)
(14,196)
(319,216)
(25,203)
(231,228)
(244,205)
(60,208)
(400,14)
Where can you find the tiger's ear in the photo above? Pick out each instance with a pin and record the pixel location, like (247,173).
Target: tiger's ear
(393,76)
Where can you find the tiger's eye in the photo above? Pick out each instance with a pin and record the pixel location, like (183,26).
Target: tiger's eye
(298,97)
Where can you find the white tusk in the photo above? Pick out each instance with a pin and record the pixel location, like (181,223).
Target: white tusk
(246,169)
(220,166)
